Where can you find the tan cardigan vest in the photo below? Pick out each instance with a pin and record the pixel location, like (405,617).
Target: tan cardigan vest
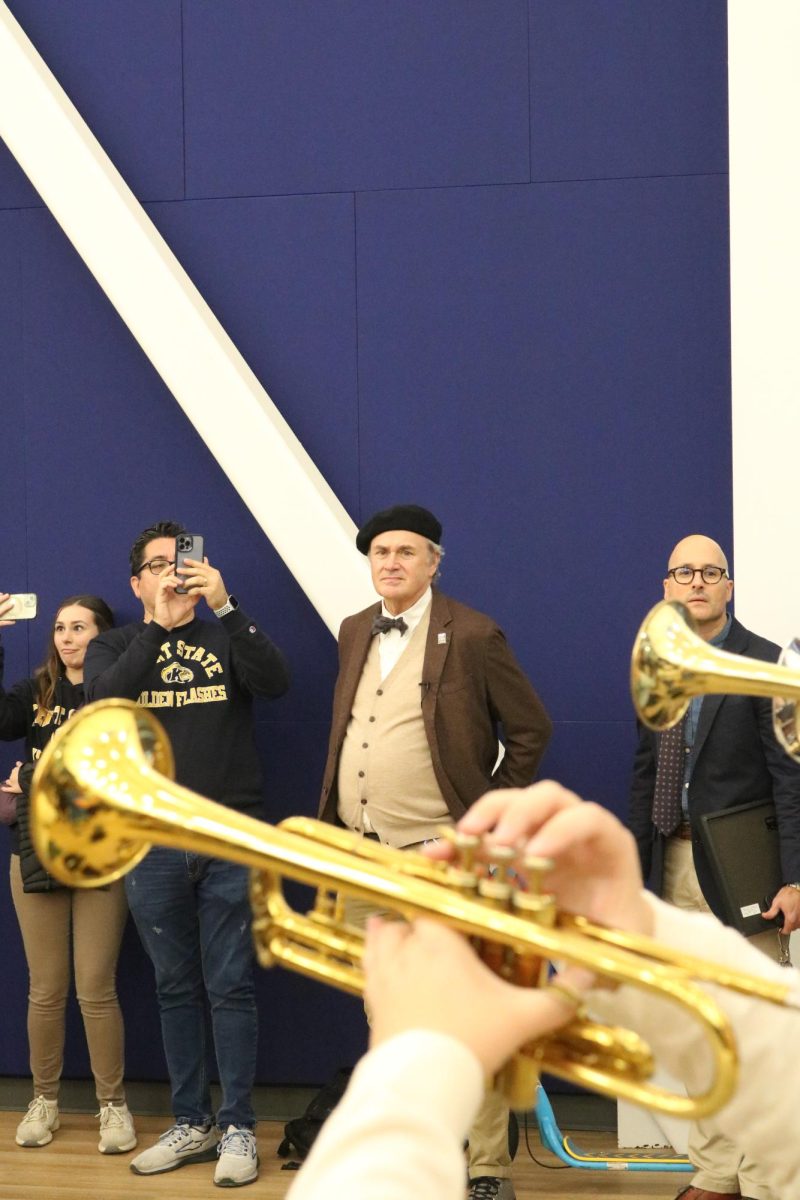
(385,764)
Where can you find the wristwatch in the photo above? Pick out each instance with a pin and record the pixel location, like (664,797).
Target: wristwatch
(231,604)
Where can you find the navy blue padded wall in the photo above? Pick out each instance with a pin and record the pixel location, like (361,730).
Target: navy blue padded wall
(324,97)
(545,363)
(13,539)
(623,89)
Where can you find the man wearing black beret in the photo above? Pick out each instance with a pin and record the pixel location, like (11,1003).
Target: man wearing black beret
(424,684)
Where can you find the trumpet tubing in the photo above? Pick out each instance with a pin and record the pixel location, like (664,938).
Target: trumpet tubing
(102,795)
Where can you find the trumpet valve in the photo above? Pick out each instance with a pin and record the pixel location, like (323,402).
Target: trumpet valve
(498,885)
(461,871)
(497,888)
(328,907)
(532,900)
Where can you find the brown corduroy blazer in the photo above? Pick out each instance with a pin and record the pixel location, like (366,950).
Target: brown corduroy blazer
(471,683)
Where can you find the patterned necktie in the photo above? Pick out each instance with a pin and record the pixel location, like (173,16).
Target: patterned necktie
(383,624)
(667,810)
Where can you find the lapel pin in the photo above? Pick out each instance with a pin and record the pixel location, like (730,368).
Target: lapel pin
(442,639)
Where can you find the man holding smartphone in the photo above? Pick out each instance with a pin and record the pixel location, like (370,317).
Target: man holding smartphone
(193,912)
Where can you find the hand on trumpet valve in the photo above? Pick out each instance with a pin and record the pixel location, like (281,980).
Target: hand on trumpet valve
(593,868)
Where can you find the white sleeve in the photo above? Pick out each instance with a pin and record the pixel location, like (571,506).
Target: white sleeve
(761,1114)
(397,1132)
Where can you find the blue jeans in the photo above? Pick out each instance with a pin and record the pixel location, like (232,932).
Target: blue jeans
(193,916)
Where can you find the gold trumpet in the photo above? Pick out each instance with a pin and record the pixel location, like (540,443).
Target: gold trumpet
(103,793)
(670,664)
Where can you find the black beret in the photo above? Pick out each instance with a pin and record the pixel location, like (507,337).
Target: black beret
(402,516)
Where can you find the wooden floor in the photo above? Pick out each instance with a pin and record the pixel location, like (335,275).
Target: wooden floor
(70,1168)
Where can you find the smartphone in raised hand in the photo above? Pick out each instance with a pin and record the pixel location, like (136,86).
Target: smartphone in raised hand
(187,545)
(24,607)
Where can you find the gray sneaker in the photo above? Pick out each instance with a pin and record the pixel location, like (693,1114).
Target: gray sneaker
(181,1144)
(490,1187)
(238,1158)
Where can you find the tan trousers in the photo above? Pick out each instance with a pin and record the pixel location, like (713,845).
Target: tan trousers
(488,1152)
(96,920)
(721,1166)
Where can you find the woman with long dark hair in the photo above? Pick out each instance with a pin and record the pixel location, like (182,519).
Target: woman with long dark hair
(52,917)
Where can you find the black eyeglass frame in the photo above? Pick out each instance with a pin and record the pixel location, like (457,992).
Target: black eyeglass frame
(169,562)
(698,571)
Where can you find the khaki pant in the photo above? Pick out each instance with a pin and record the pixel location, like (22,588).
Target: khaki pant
(721,1166)
(488,1152)
(93,922)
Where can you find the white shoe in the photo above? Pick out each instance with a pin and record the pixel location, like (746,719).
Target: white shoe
(116,1129)
(39,1123)
(238,1158)
(179,1145)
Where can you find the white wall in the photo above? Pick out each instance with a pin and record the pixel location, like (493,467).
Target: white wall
(764,130)
(764,82)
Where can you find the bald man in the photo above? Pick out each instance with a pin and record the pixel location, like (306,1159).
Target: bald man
(729,756)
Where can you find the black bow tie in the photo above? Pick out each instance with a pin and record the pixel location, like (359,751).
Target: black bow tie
(383,624)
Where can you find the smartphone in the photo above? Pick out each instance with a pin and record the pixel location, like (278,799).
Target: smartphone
(24,607)
(187,545)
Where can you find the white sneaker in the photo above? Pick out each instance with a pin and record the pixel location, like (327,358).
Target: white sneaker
(179,1145)
(116,1129)
(39,1123)
(238,1158)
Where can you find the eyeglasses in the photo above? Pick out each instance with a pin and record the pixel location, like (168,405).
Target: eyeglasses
(685,575)
(157,566)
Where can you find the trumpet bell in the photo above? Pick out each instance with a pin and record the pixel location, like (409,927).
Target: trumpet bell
(671,663)
(84,782)
(665,659)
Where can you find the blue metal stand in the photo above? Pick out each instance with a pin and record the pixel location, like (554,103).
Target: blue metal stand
(553,1139)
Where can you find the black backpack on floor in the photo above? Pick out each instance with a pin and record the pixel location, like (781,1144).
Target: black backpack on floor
(299,1134)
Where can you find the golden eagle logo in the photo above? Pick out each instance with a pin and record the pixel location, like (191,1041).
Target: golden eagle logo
(177,673)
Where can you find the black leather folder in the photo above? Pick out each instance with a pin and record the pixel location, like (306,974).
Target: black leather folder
(743,849)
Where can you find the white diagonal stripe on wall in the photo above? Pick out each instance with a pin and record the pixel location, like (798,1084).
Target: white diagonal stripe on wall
(178,332)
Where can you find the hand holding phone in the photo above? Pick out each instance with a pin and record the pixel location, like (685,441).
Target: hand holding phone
(17,606)
(201,578)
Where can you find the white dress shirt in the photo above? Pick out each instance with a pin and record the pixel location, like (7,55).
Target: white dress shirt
(393,643)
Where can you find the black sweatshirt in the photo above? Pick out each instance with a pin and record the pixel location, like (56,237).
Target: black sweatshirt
(199,680)
(19,708)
